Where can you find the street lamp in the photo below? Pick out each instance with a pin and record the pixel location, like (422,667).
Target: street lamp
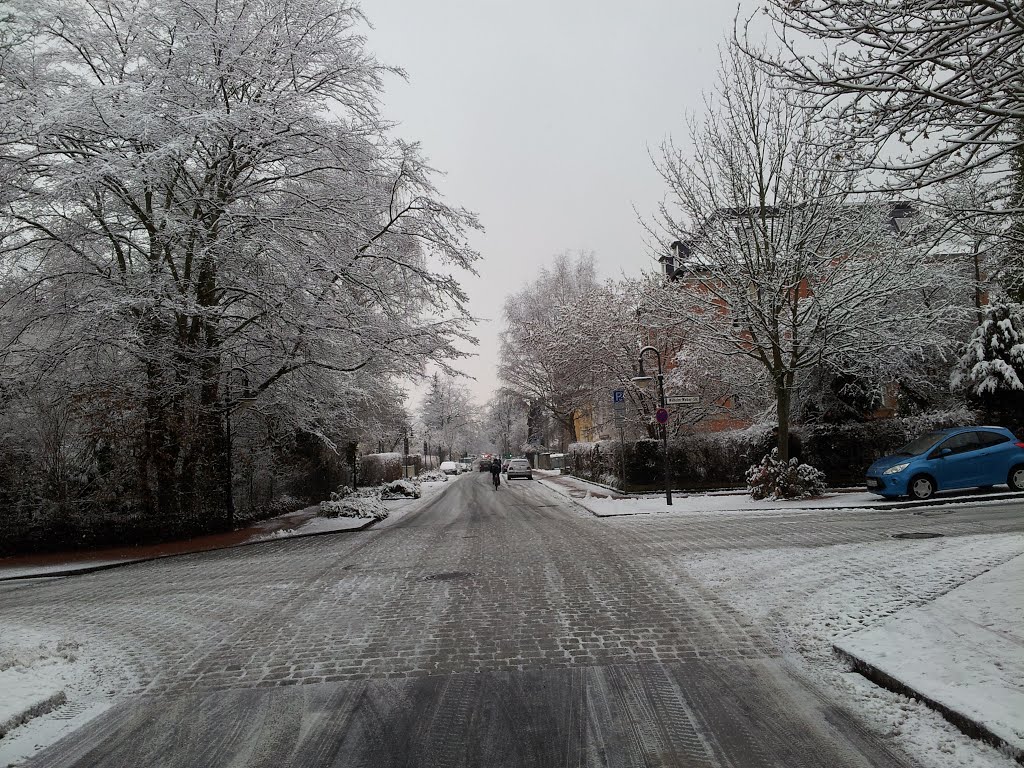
(246,397)
(643,381)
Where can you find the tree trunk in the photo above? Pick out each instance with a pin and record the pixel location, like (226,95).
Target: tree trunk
(783,398)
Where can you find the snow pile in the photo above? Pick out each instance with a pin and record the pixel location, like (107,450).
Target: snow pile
(400,489)
(353,506)
(432,476)
(774,479)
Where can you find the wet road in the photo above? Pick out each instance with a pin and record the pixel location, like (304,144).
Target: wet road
(488,628)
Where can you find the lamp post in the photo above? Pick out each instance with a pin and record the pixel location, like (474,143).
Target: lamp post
(643,380)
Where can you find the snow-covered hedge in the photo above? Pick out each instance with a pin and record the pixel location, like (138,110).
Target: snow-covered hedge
(773,479)
(353,506)
(720,459)
(377,468)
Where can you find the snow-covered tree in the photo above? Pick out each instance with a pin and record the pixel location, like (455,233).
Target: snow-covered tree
(788,267)
(534,362)
(939,78)
(921,90)
(202,198)
(448,416)
(991,368)
(505,420)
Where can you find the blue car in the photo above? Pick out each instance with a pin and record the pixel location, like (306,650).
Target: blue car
(961,457)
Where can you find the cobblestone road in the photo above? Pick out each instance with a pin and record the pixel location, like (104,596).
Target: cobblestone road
(487,628)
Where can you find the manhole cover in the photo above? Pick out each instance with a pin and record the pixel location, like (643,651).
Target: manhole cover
(917,535)
(447,576)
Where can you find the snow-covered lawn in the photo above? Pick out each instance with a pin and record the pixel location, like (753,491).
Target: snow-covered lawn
(964,650)
(50,684)
(810,598)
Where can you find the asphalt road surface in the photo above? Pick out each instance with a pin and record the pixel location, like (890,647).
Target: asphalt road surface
(489,628)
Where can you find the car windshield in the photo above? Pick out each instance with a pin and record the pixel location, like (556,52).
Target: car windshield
(920,445)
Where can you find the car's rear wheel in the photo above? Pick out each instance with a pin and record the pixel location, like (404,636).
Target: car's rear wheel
(921,487)
(1016,478)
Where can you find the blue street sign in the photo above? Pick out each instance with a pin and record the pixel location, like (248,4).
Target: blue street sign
(618,395)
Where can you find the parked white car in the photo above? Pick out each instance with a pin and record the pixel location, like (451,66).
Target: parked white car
(519,468)
(450,467)
(465,466)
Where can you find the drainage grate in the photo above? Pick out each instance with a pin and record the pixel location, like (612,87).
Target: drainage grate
(917,535)
(447,576)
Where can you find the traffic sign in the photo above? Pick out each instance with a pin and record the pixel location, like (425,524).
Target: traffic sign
(619,402)
(682,400)
(661,416)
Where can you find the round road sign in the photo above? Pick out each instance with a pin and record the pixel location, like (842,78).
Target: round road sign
(661,416)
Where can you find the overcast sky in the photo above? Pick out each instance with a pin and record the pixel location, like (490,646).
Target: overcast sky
(541,114)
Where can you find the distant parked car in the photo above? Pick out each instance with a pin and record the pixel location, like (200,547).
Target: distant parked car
(519,468)
(504,465)
(450,467)
(961,457)
(465,466)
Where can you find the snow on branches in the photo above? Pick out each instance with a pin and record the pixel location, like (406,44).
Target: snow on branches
(787,266)
(203,195)
(927,88)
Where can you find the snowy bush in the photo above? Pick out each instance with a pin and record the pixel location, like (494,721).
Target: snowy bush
(432,476)
(400,489)
(353,506)
(776,479)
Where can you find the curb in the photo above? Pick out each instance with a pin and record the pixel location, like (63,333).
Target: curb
(567,497)
(36,709)
(879,505)
(971,727)
(108,566)
(1008,496)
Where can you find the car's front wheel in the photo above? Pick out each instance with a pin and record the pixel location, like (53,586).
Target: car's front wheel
(1016,478)
(921,487)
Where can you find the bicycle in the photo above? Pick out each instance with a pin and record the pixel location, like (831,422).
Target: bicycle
(496,479)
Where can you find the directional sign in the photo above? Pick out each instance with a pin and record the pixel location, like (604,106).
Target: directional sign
(681,400)
(661,416)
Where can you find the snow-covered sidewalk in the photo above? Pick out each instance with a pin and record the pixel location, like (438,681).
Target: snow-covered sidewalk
(50,684)
(963,651)
(603,502)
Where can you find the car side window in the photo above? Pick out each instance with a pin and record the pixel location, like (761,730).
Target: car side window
(965,441)
(988,439)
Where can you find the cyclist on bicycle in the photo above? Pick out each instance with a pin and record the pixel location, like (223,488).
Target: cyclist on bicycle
(496,472)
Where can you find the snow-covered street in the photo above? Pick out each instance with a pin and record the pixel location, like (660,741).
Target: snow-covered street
(520,627)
